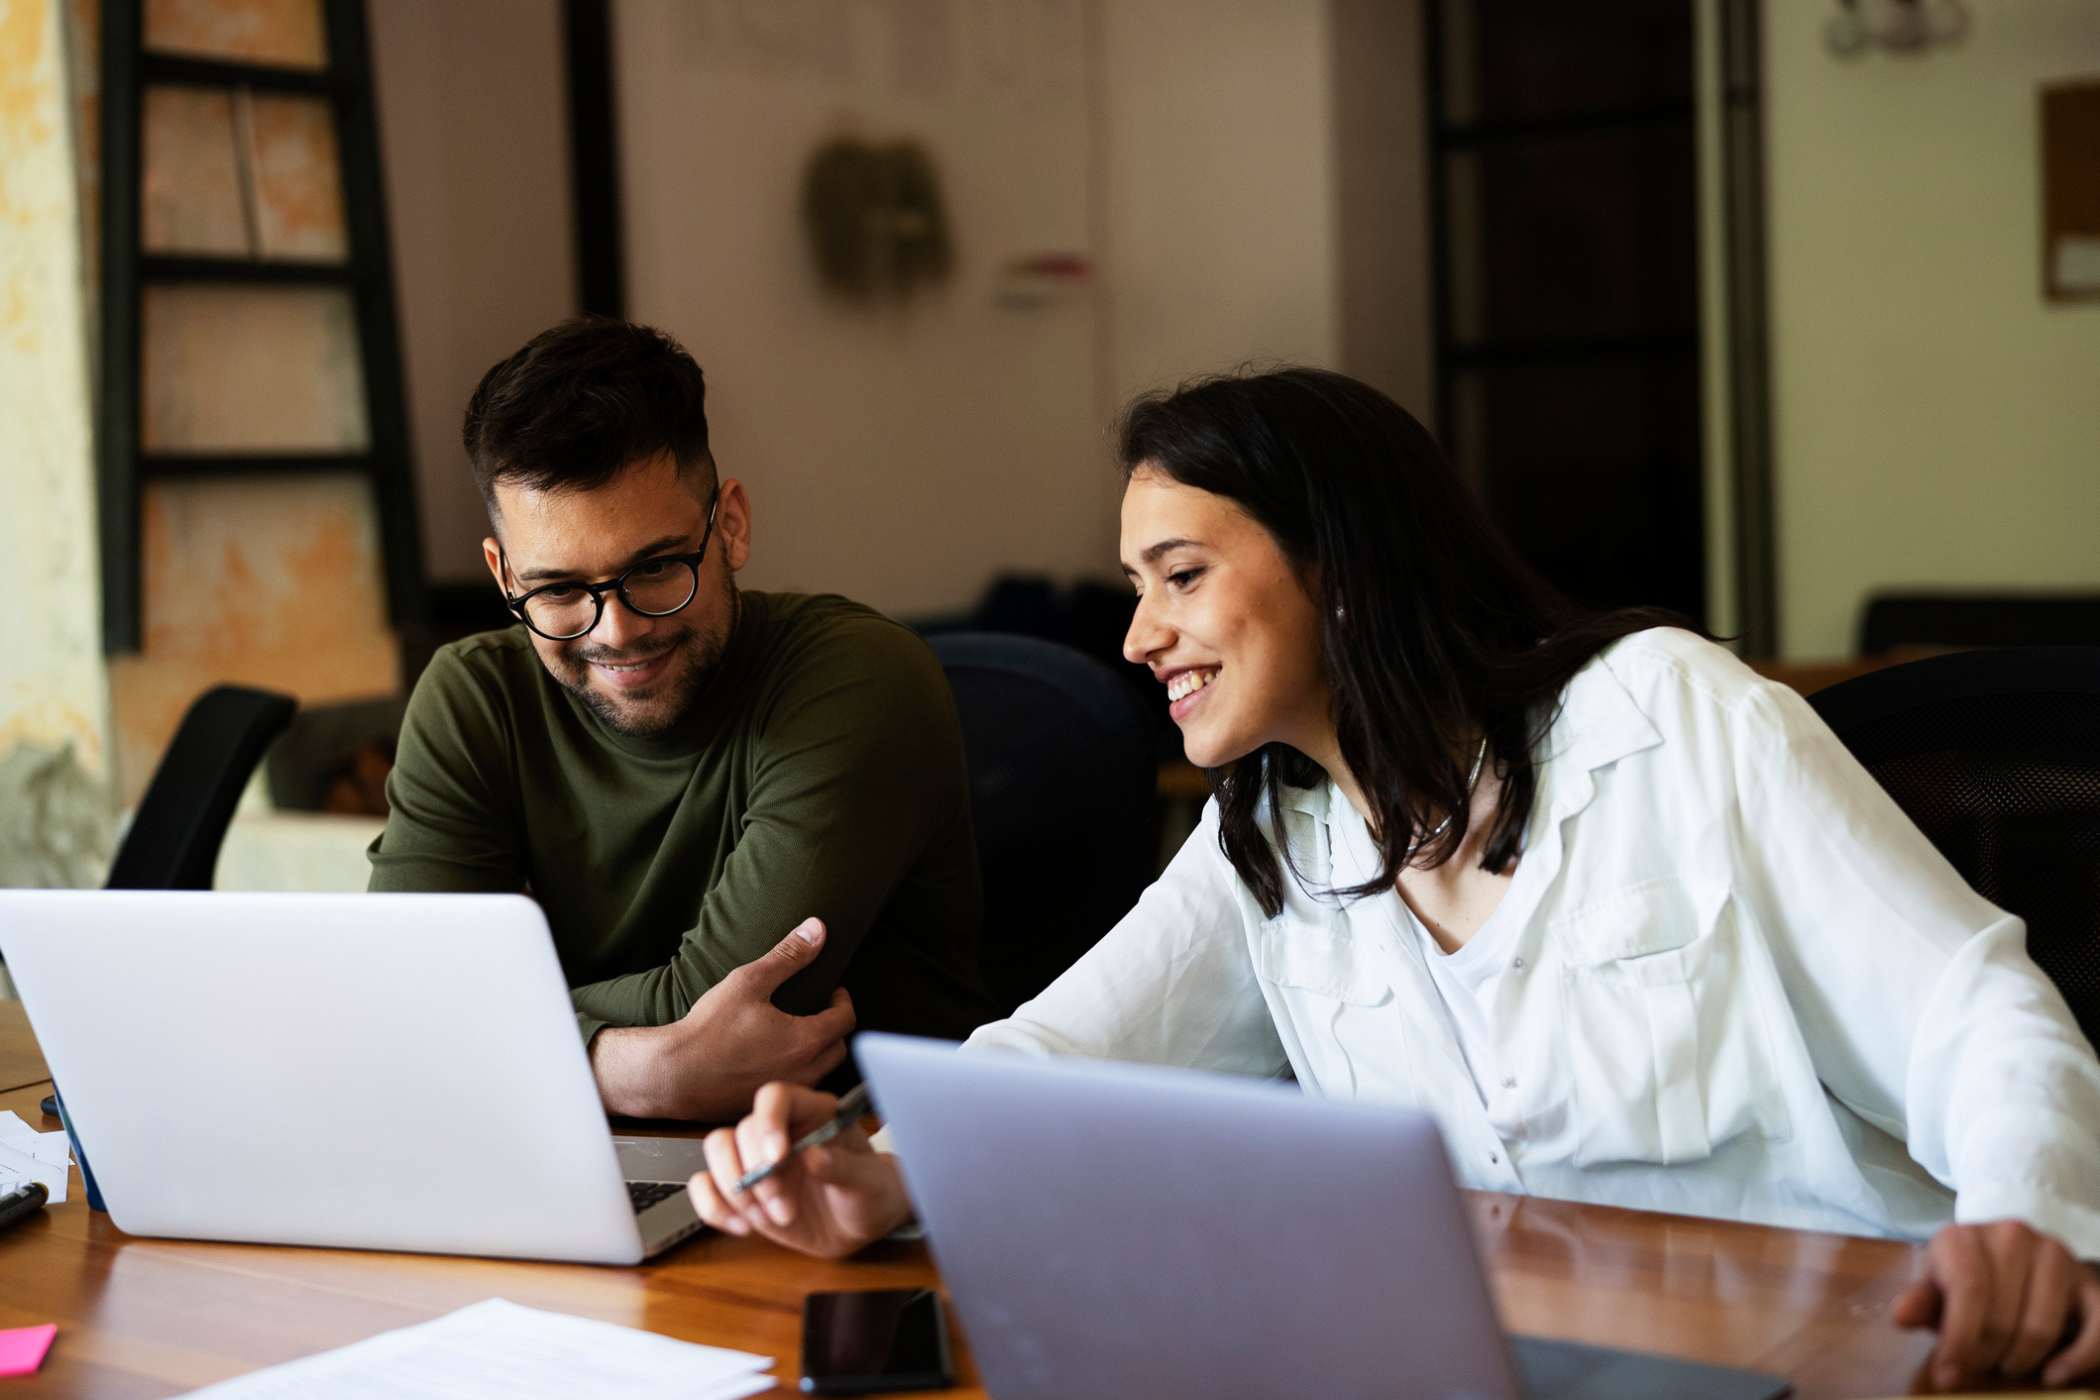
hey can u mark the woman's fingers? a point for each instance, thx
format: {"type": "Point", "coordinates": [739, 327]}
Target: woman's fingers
{"type": "Point", "coordinates": [780, 1112]}
{"type": "Point", "coordinates": [759, 1143]}
{"type": "Point", "coordinates": [2007, 1294]}
{"type": "Point", "coordinates": [792, 1110]}
{"type": "Point", "coordinates": [2052, 1288]}
{"type": "Point", "coordinates": [708, 1203]}
{"type": "Point", "coordinates": [2010, 1247]}
{"type": "Point", "coordinates": [1963, 1272]}
{"type": "Point", "coordinates": [725, 1166]}
{"type": "Point", "coordinates": [1917, 1305]}
{"type": "Point", "coordinates": [2081, 1359]}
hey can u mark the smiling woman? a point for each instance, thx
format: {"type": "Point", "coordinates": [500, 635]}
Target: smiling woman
{"type": "Point", "coordinates": [1390, 632]}
{"type": "Point", "coordinates": [1626, 918]}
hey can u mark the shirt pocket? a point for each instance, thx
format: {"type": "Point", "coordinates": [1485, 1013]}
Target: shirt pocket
{"type": "Point", "coordinates": [1666, 1041]}
{"type": "Point", "coordinates": [1336, 1003]}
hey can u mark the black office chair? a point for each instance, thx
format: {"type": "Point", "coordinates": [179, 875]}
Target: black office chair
{"type": "Point", "coordinates": [1996, 756]}
{"type": "Point", "coordinates": [1979, 620]}
{"type": "Point", "coordinates": [1062, 781]}
{"type": "Point", "coordinates": [174, 838]}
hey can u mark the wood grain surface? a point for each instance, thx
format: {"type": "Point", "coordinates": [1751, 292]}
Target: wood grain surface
{"type": "Point", "coordinates": [21, 1063]}
{"type": "Point", "coordinates": [141, 1317]}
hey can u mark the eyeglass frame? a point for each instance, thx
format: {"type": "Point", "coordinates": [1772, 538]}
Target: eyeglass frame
{"type": "Point", "coordinates": [616, 584]}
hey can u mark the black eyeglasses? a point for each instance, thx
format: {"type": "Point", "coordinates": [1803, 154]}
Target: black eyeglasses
{"type": "Point", "coordinates": [562, 612]}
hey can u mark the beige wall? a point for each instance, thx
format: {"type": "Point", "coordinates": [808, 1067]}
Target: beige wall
{"type": "Point", "coordinates": [1190, 147]}
{"type": "Point", "coordinates": [896, 453]}
{"type": "Point", "coordinates": [473, 133]}
{"type": "Point", "coordinates": [1220, 185]}
{"type": "Point", "coordinates": [1935, 421]}
{"type": "Point", "coordinates": [54, 708]}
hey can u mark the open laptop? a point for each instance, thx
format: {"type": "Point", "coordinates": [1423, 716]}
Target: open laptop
{"type": "Point", "coordinates": [366, 1070]}
{"type": "Point", "coordinates": [1109, 1230]}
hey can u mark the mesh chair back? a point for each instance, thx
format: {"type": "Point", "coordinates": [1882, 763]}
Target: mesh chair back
{"type": "Point", "coordinates": [1062, 781]}
{"type": "Point", "coordinates": [173, 843]}
{"type": "Point", "coordinates": [1996, 756]}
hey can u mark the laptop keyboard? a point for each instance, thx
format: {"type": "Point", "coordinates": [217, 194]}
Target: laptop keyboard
{"type": "Point", "coordinates": [645, 1194]}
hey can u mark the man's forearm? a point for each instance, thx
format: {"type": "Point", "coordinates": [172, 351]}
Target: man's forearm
{"type": "Point", "coordinates": [634, 1074]}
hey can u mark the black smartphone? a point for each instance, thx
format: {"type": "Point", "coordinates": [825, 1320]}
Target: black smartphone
{"type": "Point", "coordinates": [880, 1339]}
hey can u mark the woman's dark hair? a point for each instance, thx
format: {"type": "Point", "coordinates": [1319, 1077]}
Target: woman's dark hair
{"type": "Point", "coordinates": [581, 402]}
{"type": "Point", "coordinates": [1434, 633]}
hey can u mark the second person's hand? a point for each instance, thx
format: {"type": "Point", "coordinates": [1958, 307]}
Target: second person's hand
{"type": "Point", "coordinates": [2007, 1301]}
{"type": "Point", "coordinates": [828, 1200]}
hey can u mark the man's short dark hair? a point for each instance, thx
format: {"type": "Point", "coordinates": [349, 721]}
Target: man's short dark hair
{"type": "Point", "coordinates": [580, 403]}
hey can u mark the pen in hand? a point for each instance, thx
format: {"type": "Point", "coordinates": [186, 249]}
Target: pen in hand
{"type": "Point", "coordinates": [852, 1108]}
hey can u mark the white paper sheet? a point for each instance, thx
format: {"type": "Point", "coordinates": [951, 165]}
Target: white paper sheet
{"type": "Point", "coordinates": [497, 1347]}
{"type": "Point", "coordinates": [28, 1155]}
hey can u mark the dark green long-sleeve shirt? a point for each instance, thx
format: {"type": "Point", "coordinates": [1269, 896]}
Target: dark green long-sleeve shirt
{"type": "Point", "coordinates": [820, 772]}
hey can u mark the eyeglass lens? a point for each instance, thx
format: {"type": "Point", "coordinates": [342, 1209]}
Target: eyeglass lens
{"type": "Point", "coordinates": [657, 588]}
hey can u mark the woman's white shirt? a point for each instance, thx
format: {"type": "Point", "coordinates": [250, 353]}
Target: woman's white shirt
{"type": "Point", "coordinates": [1729, 978]}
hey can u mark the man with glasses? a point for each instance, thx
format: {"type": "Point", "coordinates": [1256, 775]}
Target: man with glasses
{"type": "Point", "coordinates": [744, 814]}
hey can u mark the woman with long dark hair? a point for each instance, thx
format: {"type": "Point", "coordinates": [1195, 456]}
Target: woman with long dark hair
{"type": "Point", "coordinates": [1625, 917]}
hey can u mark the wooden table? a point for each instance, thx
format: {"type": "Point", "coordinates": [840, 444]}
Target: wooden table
{"type": "Point", "coordinates": [141, 1317]}
{"type": "Point", "coordinates": [21, 1062]}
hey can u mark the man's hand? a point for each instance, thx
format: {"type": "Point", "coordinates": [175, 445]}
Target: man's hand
{"type": "Point", "coordinates": [827, 1200]}
{"type": "Point", "coordinates": [2006, 1301]}
{"type": "Point", "coordinates": [708, 1064]}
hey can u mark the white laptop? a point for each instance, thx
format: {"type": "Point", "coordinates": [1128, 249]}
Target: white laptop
{"type": "Point", "coordinates": [366, 1070]}
{"type": "Point", "coordinates": [1109, 1230]}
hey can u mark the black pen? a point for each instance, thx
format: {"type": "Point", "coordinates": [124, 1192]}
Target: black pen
{"type": "Point", "coordinates": [852, 1108]}
{"type": "Point", "coordinates": [22, 1202]}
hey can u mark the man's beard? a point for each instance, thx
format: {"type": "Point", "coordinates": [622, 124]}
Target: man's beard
{"type": "Point", "coordinates": [696, 656]}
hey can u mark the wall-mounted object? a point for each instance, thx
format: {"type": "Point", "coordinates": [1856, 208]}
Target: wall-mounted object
{"type": "Point", "coordinates": [1900, 26]}
{"type": "Point", "coordinates": [2070, 122]}
{"type": "Point", "coordinates": [876, 223]}
{"type": "Point", "coordinates": [1037, 280]}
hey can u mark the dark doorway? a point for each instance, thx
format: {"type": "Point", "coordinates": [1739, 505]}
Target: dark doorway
{"type": "Point", "coordinates": [1564, 186]}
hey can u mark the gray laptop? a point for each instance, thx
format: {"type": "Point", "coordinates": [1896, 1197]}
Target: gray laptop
{"type": "Point", "coordinates": [1109, 1230]}
{"type": "Point", "coordinates": [374, 1071]}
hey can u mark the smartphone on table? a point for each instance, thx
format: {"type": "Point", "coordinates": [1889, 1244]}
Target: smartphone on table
{"type": "Point", "coordinates": [875, 1340]}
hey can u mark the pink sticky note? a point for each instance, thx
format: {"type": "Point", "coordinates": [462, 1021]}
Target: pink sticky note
{"type": "Point", "coordinates": [22, 1349]}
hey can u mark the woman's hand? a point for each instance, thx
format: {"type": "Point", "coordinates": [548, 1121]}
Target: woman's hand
{"type": "Point", "coordinates": [2006, 1300]}
{"type": "Point", "coordinates": [828, 1200]}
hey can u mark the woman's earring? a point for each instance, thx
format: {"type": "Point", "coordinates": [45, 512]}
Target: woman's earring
{"type": "Point", "coordinates": [1340, 612]}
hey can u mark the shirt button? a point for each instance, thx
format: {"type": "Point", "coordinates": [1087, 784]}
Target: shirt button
{"type": "Point", "coordinates": [1509, 1082]}
{"type": "Point", "coordinates": [1518, 964]}
{"type": "Point", "coordinates": [1494, 1159]}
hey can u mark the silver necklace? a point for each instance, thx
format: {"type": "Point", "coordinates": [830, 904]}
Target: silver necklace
{"type": "Point", "coordinates": [1471, 778]}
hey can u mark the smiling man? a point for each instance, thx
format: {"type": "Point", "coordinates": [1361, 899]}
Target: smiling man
{"type": "Point", "coordinates": [744, 814]}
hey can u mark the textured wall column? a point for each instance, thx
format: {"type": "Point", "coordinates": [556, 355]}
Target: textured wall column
{"type": "Point", "coordinates": [54, 693]}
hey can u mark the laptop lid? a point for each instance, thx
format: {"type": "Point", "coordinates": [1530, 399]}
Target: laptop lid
{"type": "Point", "coordinates": [1112, 1230]}
{"type": "Point", "coordinates": [375, 1071]}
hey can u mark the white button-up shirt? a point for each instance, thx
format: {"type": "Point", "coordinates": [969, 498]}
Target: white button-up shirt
{"type": "Point", "coordinates": [1728, 978]}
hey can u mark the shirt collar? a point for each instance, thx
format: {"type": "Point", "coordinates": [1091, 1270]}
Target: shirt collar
{"type": "Point", "coordinates": [1313, 801]}
{"type": "Point", "coordinates": [1597, 725]}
